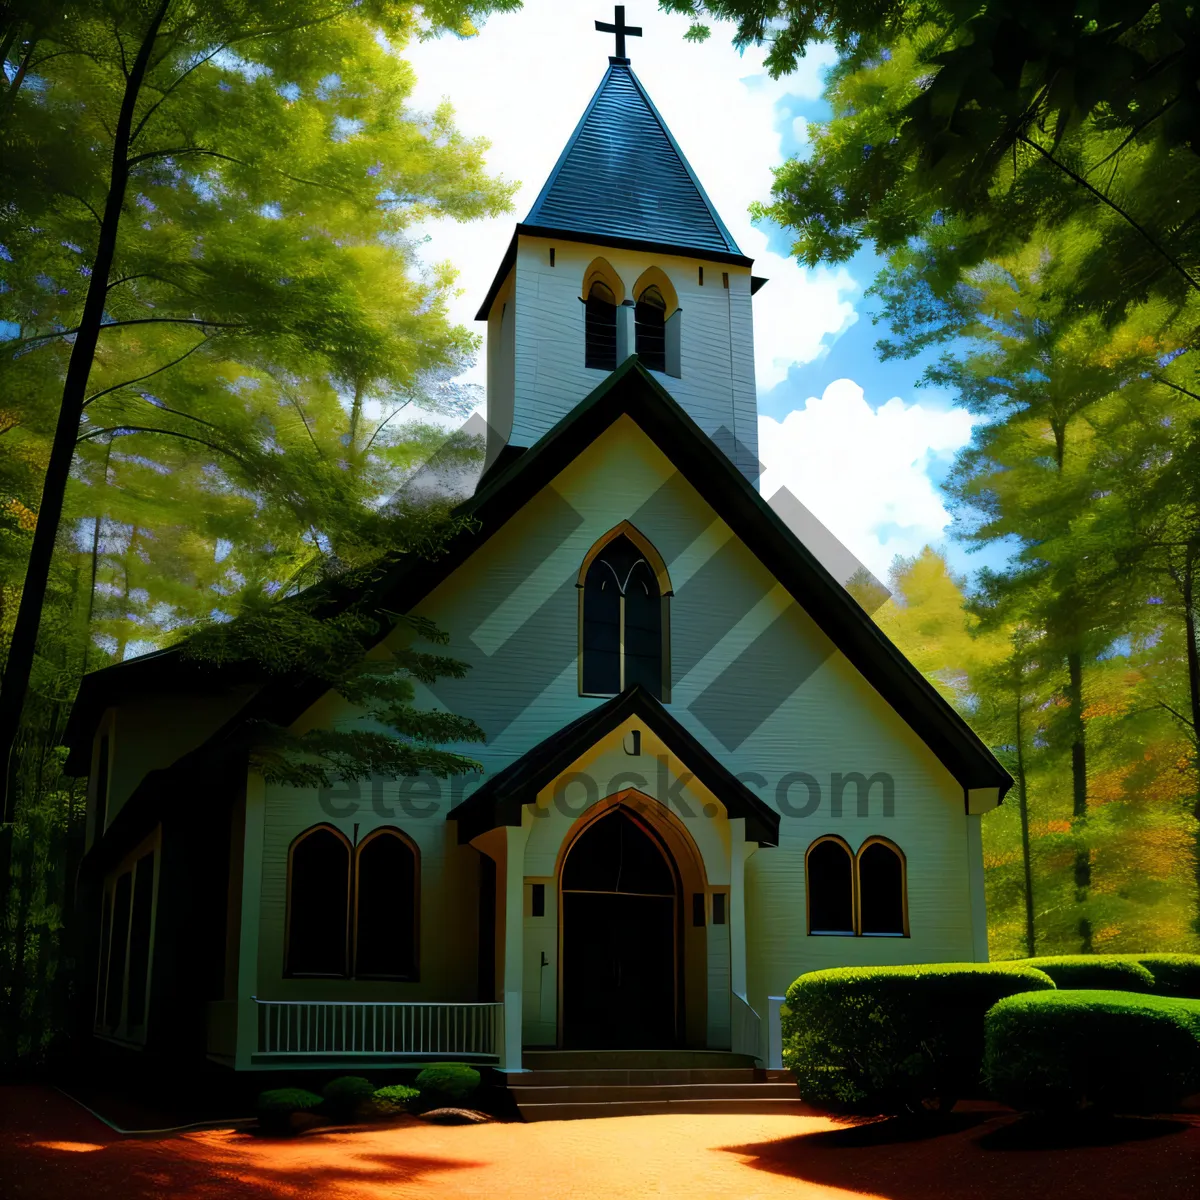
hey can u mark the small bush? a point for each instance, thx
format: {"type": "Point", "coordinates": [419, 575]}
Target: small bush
{"type": "Point", "coordinates": [1174, 974]}
{"type": "Point", "coordinates": [346, 1096]}
{"type": "Point", "coordinates": [275, 1107]}
{"type": "Point", "coordinates": [389, 1101]}
{"type": "Point", "coordinates": [1103, 972]}
{"type": "Point", "coordinates": [446, 1083]}
{"type": "Point", "coordinates": [1109, 1051]}
{"type": "Point", "coordinates": [894, 1039]}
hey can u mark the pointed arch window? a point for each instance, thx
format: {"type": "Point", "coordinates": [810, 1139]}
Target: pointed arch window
{"type": "Point", "coordinates": [386, 906]}
{"type": "Point", "coordinates": [624, 627]}
{"type": "Point", "coordinates": [829, 884]}
{"type": "Point", "coordinates": [650, 328]}
{"type": "Point", "coordinates": [882, 889]}
{"type": "Point", "coordinates": [600, 327]}
{"type": "Point", "coordinates": [318, 903]}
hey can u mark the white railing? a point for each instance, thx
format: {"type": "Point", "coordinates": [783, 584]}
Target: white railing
{"type": "Point", "coordinates": [745, 1027]}
{"type": "Point", "coordinates": [302, 1027]}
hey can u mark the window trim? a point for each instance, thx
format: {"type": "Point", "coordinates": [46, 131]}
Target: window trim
{"type": "Point", "coordinates": [288, 973]}
{"type": "Point", "coordinates": [873, 840]}
{"type": "Point", "coordinates": [665, 591]}
{"type": "Point", "coordinates": [845, 845]}
{"type": "Point", "coordinates": [414, 975]}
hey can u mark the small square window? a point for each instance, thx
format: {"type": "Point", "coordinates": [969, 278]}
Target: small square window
{"type": "Point", "coordinates": [538, 900]}
{"type": "Point", "coordinates": [718, 908]}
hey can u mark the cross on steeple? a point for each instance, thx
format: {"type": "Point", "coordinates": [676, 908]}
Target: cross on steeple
{"type": "Point", "coordinates": [622, 31]}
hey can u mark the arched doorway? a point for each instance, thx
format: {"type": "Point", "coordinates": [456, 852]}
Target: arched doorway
{"type": "Point", "coordinates": [620, 937]}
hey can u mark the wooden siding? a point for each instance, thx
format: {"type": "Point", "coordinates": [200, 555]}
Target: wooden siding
{"type": "Point", "coordinates": [545, 366]}
{"type": "Point", "coordinates": [737, 641]}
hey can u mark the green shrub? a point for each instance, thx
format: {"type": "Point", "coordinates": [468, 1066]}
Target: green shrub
{"type": "Point", "coordinates": [1174, 974]}
{"type": "Point", "coordinates": [894, 1039]}
{"type": "Point", "coordinates": [396, 1098]}
{"type": "Point", "coordinates": [1111, 1051]}
{"type": "Point", "coordinates": [275, 1107]}
{"type": "Point", "coordinates": [1105, 972]}
{"type": "Point", "coordinates": [446, 1083]}
{"type": "Point", "coordinates": [346, 1096]}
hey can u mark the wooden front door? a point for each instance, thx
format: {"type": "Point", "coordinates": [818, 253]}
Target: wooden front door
{"type": "Point", "coordinates": [620, 938]}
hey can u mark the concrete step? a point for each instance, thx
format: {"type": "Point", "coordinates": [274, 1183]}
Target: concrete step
{"type": "Point", "coordinates": [622, 1078]}
{"type": "Point", "coordinates": [640, 1108]}
{"type": "Point", "coordinates": [585, 1094]}
{"type": "Point", "coordinates": [629, 1060]}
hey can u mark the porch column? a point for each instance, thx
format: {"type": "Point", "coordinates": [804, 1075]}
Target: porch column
{"type": "Point", "coordinates": [247, 975]}
{"type": "Point", "coordinates": [737, 906]}
{"type": "Point", "coordinates": [514, 943]}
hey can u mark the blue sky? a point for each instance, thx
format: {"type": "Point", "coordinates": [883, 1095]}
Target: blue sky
{"type": "Point", "coordinates": [860, 445]}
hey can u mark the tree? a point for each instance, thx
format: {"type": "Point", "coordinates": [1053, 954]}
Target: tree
{"type": "Point", "coordinates": [1008, 116]}
{"type": "Point", "coordinates": [198, 185]}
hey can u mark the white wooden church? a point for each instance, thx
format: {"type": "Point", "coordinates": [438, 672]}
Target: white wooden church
{"type": "Point", "coordinates": [706, 770]}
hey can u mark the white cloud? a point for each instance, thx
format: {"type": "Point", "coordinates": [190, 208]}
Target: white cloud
{"type": "Point", "coordinates": [800, 129]}
{"type": "Point", "coordinates": [862, 471]}
{"type": "Point", "coordinates": [524, 82]}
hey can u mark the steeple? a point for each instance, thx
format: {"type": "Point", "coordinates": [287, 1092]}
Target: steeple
{"type": "Point", "coordinates": [622, 253]}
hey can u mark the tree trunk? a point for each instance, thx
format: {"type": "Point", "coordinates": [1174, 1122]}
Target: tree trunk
{"type": "Point", "coordinates": [1083, 857]}
{"type": "Point", "coordinates": [1023, 810]}
{"type": "Point", "coordinates": [1193, 669]}
{"type": "Point", "coordinates": [15, 682]}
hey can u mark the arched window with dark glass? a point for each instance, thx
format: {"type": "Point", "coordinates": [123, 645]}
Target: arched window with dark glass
{"type": "Point", "coordinates": [829, 878]}
{"type": "Point", "coordinates": [622, 639]}
{"type": "Point", "coordinates": [318, 903]}
{"type": "Point", "coordinates": [883, 906]}
{"type": "Point", "coordinates": [386, 908]}
{"type": "Point", "coordinates": [649, 328]}
{"type": "Point", "coordinates": [600, 328]}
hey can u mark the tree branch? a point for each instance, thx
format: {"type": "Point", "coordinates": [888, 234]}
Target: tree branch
{"type": "Point", "coordinates": [123, 430]}
{"type": "Point", "coordinates": [116, 387]}
{"type": "Point", "coordinates": [1077, 178]}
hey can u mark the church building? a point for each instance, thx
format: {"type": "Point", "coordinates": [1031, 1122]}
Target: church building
{"type": "Point", "coordinates": [706, 770]}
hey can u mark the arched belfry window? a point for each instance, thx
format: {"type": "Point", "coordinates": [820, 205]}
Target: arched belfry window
{"type": "Point", "coordinates": [650, 328]}
{"type": "Point", "coordinates": [600, 327]}
{"type": "Point", "coordinates": [829, 883]}
{"type": "Point", "coordinates": [882, 889]}
{"type": "Point", "coordinates": [318, 903]}
{"type": "Point", "coordinates": [624, 625]}
{"type": "Point", "coordinates": [386, 906]}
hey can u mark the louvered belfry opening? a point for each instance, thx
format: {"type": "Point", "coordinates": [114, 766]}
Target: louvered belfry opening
{"type": "Point", "coordinates": [600, 332]}
{"type": "Point", "coordinates": [649, 326]}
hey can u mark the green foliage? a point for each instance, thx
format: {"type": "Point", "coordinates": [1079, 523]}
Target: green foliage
{"type": "Point", "coordinates": [393, 1099]}
{"type": "Point", "coordinates": [1174, 974]}
{"type": "Point", "coordinates": [275, 1107]}
{"type": "Point", "coordinates": [1106, 1050]}
{"type": "Point", "coordinates": [346, 1096]}
{"type": "Point", "coordinates": [446, 1083]}
{"type": "Point", "coordinates": [1098, 972]}
{"type": "Point", "coordinates": [894, 1039]}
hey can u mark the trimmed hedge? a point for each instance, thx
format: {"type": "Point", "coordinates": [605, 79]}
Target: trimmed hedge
{"type": "Point", "coordinates": [1174, 974]}
{"type": "Point", "coordinates": [346, 1096]}
{"type": "Point", "coordinates": [1104, 972]}
{"type": "Point", "coordinates": [275, 1107]}
{"type": "Point", "coordinates": [446, 1083]}
{"type": "Point", "coordinates": [396, 1098]}
{"type": "Point", "coordinates": [894, 1039]}
{"type": "Point", "coordinates": [1106, 1050]}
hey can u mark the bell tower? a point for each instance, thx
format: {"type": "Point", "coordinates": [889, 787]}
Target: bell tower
{"type": "Point", "coordinates": [622, 253]}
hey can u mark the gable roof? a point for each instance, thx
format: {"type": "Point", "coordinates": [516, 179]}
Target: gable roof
{"type": "Point", "coordinates": [499, 800]}
{"type": "Point", "coordinates": [622, 175]}
{"type": "Point", "coordinates": [629, 391]}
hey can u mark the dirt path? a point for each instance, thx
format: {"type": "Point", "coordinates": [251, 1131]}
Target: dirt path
{"type": "Point", "coordinates": [51, 1149]}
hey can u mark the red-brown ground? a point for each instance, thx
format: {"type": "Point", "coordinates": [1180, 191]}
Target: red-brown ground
{"type": "Point", "coordinates": [52, 1149]}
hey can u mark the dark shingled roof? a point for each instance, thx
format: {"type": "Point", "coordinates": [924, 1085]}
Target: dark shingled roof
{"type": "Point", "coordinates": [499, 800]}
{"type": "Point", "coordinates": [622, 175]}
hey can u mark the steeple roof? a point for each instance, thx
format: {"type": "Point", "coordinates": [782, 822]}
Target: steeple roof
{"type": "Point", "coordinates": [623, 177]}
